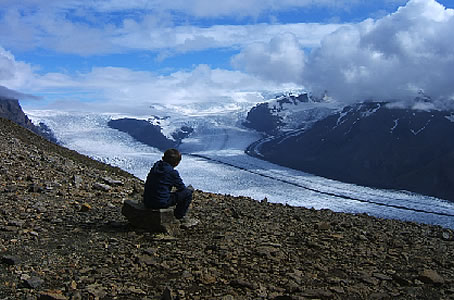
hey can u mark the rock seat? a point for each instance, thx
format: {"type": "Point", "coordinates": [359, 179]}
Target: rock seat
{"type": "Point", "coordinates": [153, 220]}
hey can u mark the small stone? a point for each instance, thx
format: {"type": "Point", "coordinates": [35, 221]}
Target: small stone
{"type": "Point", "coordinates": [146, 260]}
{"type": "Point", "coordinates": [51, 296]}
{"type": "Point", "coordinates": [85, 207]}
{"type": "Point", "coordinates": [111, 181]}
{"type": "Point", "coordinates": [34, 188]}
{"type": "Point", "coordinates": [400, 280]}
{"type": "Point", "coordinates": [208, 279]}
{"type": "Point", "coordinates": [33, 282]}
{"type": "Point", "coordinates": [337, 289]}
{"type": "Point", "coordinates": [9, 260]}
{"type": "Point", "coordinates": [446, 236]}
{"type": "Point", "coordinates": [379, 296]}
{"type": "Point", "coordinates": [382, 276]}
{"type": "Point", "coordinates": [240, 283]}
{"type": "Point", "coordinates": [370, 280]}
{"type": "Point", "coordinates": [167, 294]}
{"type": "Point", "coordinates": [97, 290]}
{"type": "Point", "coordinates": [135, 290]}
{"type": "Point", "coordinates": [431, 277]}
{"type": "Point", "coordinates": [323, 226]}
{"type": "Point", "coordinates": [101, 187]}
{"type": "Point", "coordinates": [73, 285]}
{"type": "Point", "coordinates": [318, 293]}
{"type": "Point", "coordinates": [77, 180]}
{"type": "Point", "coordinates": [76, 295]}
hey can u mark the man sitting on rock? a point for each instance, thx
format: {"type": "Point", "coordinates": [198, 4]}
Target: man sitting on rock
{"type": "Point", "coordinates": [160, 181]}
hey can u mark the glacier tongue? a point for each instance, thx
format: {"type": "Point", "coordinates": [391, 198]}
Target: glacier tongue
{"type": "Point", "coordinates": [215, 161]}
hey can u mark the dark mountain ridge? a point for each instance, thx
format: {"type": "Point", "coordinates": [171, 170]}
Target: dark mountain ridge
{"type": "Point", "coordinates": [374, 145]}
{"type": "Point", "coordinates": [150, 134]}
{"type": "Point", "coordinates": [10, 109]}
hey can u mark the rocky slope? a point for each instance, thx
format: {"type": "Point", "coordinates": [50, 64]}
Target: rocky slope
{"type": "Point", "coordinates": [62, 237]}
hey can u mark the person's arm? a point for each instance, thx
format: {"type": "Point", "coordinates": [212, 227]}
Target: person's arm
{"type": "Point", "coordinates": [177, 181]}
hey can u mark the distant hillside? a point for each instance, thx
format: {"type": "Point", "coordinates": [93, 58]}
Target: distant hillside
{"type": "Point", "coordinates": [10, 109]}
{"type": "Point", "coordinates": [148, 133]}
{"type": "Point", "coordinates": [371, 144]}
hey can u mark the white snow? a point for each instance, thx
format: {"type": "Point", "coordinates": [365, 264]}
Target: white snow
{"type": "Point", "coordinates": [371, 111]}
{"type": "Point", "coordinates": [450, 118]}
{"type": "Point", "coordinates": [215, 161]}
{"type": "Point", "coordinates": [416, 132]}
{"type": "Point", "coordinates": [341, 120]}
{"type": "Point", "coordinates": [396, 123]}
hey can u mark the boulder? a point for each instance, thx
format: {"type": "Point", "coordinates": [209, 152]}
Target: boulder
{"type": "Point", "coordinates": [153, 220]}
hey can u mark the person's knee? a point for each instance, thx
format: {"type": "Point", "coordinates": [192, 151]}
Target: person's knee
{"type": "Point", "coordinates": [187, 192]}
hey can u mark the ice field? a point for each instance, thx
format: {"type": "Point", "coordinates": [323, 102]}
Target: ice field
{"type": "Point", "coordinates": [214, 161]}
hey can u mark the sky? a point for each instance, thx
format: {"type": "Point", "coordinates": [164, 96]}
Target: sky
{"type": "Point", "coordinates": [113, 55]}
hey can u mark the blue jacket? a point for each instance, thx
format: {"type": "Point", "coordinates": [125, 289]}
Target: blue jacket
{"type": "Point", "coordinates": [160, 180]}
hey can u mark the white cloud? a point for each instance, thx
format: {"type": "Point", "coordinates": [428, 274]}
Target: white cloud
{"type": "Point", "coordinates": [131, 90]}
{"type": "Point", "coordinates": [14, 74]}
{"type": "Point", "coordinates": [110, 89]}
{"type": "Point", "coordinates": [280, 60]}
{"type": "Point", "coordinates": [393, 57]}
{"type": "Point", "coordinates": [54, 31]}
{"type": "Point", "coordinates": [122, 89]}
{"type": "Point", "coordinates": [114, 26]}
{"type": "Point", "coordinates": [194, 8]}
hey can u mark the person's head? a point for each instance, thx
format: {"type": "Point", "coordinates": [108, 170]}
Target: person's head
{"type": "Point", "coordinates": [172, 157]}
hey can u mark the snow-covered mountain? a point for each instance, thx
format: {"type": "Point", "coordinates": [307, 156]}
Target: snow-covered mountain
{"type": "Point", "coordinates": [374, 144]}
{"type": "Point", "coordinates": [287, 112]}
{"type": "Point", "coordinates": [190, 127]}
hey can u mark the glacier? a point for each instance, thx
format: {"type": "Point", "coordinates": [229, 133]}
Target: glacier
{"type": "Point", "coordinates": [214, 160]}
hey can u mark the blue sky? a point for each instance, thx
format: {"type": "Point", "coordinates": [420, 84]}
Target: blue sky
{"type": "Point", "coordinates": [124, 55]}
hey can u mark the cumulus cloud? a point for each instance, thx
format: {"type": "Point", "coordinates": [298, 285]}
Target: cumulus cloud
{"type": "Point", "coordinates": [13, 74]}
{"type": "Point", "coordinates": [127, 90]}
{"type": "Point", "coordinates": [114, 89]}
{"type": "Point", "coordinates": [118, 89]}
{"type": "Point", "coordinates": [280, 60]}
{"type": "Point", "coordinates": [390, 58]}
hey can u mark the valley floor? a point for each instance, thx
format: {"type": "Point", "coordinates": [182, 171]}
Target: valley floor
{"type": "Point", "coordinates": [215, 161]}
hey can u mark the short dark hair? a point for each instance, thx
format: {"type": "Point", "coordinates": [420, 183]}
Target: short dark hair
{"type": "Point", "coordinates": [172, 156]}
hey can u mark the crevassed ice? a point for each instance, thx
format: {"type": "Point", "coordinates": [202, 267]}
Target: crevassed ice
{"type": "Point", "coordinates": [216, 162]}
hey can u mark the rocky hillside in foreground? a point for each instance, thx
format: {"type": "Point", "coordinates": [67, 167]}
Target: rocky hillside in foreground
{"type": "Point", "coordinates": [62, 237]}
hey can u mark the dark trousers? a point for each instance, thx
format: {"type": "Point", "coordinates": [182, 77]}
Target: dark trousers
{"type": "Point", "coordinates": [182, 199]}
